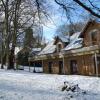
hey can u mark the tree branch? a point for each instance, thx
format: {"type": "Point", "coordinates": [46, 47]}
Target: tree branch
{"type": "Point", "coordinates": [94, 6]}
{"type": "Point", "coordinates": [3, 3]}
{"type": "Point", "coordinates": [87, 8]}
{"type": "Point", "coordinates": [64, 6]}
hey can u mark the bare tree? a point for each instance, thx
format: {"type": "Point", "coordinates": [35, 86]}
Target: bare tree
{"type": "Point", "coordinates": [6, 24]}
{"type": "Point", "coordinates": [88, 5]}
{"type": "Point", "coordinates": [94, 10]}
{"type": "Point", "coordinates": [69, 29]}
{"type": "Point", "coordinates": [18, 15]}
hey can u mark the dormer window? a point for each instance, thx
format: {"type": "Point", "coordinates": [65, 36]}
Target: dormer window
{"type": "Point", "coordinates": [94, 37]}
{"type": "Point", "coordinates": [59, 47]}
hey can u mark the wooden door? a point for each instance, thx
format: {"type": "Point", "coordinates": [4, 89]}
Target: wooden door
{"type": "Point", "coordinates": [60, 67]}
{"type": "Point", "coordinates": [98, 63]}
{"type": "Point", "coordinates": [50, 67]}
{"type": "Point", "coordinates": [73, 67]}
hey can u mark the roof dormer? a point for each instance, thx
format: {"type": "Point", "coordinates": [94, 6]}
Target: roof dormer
{"type": "Point", "coordinates": [61, 42]}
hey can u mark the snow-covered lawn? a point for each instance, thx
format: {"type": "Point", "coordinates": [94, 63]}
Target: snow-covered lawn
{"type": "Point", "coordinates": [20, 85]}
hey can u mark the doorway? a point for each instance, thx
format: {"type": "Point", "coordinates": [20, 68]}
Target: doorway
{"type": "Point", "coordinates": [98, 65]}
{"type": "Point", "coordinates": [50, 67]}
{"type": "Point", "coordinates": [73, 67]}
{"type": "Point", "coordinates": [60, 67]}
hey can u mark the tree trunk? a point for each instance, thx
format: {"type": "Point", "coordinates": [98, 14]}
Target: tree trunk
{"type": "Point", "coordinates": [11, 59]}
{"type": "Point", "coordinates": [3, 60]}
{"type": "Point", "coordinates": [2, 67]}
{"type": "Point", "coordinates": [2, 52]}
{"type": "Point", "coordinates": [7, 33]}
{"type": "Point", "coordinates": [14, 37]}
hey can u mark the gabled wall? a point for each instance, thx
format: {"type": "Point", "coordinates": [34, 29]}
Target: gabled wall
{"type": "Point", "coordinates": [87, 31]}
{"type": "Point", "coordinates": [57, 42]}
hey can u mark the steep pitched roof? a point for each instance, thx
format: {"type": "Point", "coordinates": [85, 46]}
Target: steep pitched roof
{"type": "Point", "coordinates": [75, 41]}
{"type": "Point", "coordinates": [64, 39]}
{"type": "Point", "coordinates": [50, 48]}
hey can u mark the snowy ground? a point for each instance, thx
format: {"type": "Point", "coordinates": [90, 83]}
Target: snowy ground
{"type": "Point", "coordinates": [21, 85]}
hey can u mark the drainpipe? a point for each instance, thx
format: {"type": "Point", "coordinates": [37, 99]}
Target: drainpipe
{"type": "Point", "coordinates": [96, 64]}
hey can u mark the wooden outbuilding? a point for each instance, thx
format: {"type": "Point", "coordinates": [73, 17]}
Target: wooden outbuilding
{"type": "Point", "coordinates": [76, 54]}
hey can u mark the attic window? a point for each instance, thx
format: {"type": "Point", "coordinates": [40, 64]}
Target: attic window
{"type": "Point", "coordinates": [94, 36]}
{"type": "Point", "coordinates": [59, 47]}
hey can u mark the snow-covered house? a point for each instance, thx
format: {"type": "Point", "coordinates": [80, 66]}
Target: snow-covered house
{"type": "Point", "coordinates": [77, 54]}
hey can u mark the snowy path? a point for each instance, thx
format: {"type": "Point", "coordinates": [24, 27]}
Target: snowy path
{"type": "Point", "coordinates": [19, 85]}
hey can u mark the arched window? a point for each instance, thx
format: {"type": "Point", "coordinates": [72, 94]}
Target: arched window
{"type": "Point", "coordinates": [94, 36]}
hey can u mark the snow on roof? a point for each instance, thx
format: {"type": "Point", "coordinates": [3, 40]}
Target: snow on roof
{"type": "Point", "coordinates": [50, 48]}
{"type": "Point", "coordinates": [64, 38]}
{"type": "Point", "coordinates": [75, 42]}
{"type": "Point", "coordinates": [75, 36]}
{"type": "Point", "coordinates": [36, 49]}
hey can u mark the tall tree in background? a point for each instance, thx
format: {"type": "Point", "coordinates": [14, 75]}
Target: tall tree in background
{"type": "Point", "coordinates": [28, 39]}
{"type": "Point", "coordinates": [32, 39]}
{"type": "Point", "coordinates": [28, 43]}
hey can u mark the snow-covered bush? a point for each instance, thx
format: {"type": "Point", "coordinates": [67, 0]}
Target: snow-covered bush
{"type": "Point", "coordinates": [72, 87]}
{"type": "Point", "coordinates": [72, 90]}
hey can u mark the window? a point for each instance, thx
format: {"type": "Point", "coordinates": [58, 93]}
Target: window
{"type": "Point", "coordinates": [73, 67]}
{"type": "Point", "coordinates": [93, 36]}
{"type": "Point", "coordinates": [59, 47]}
